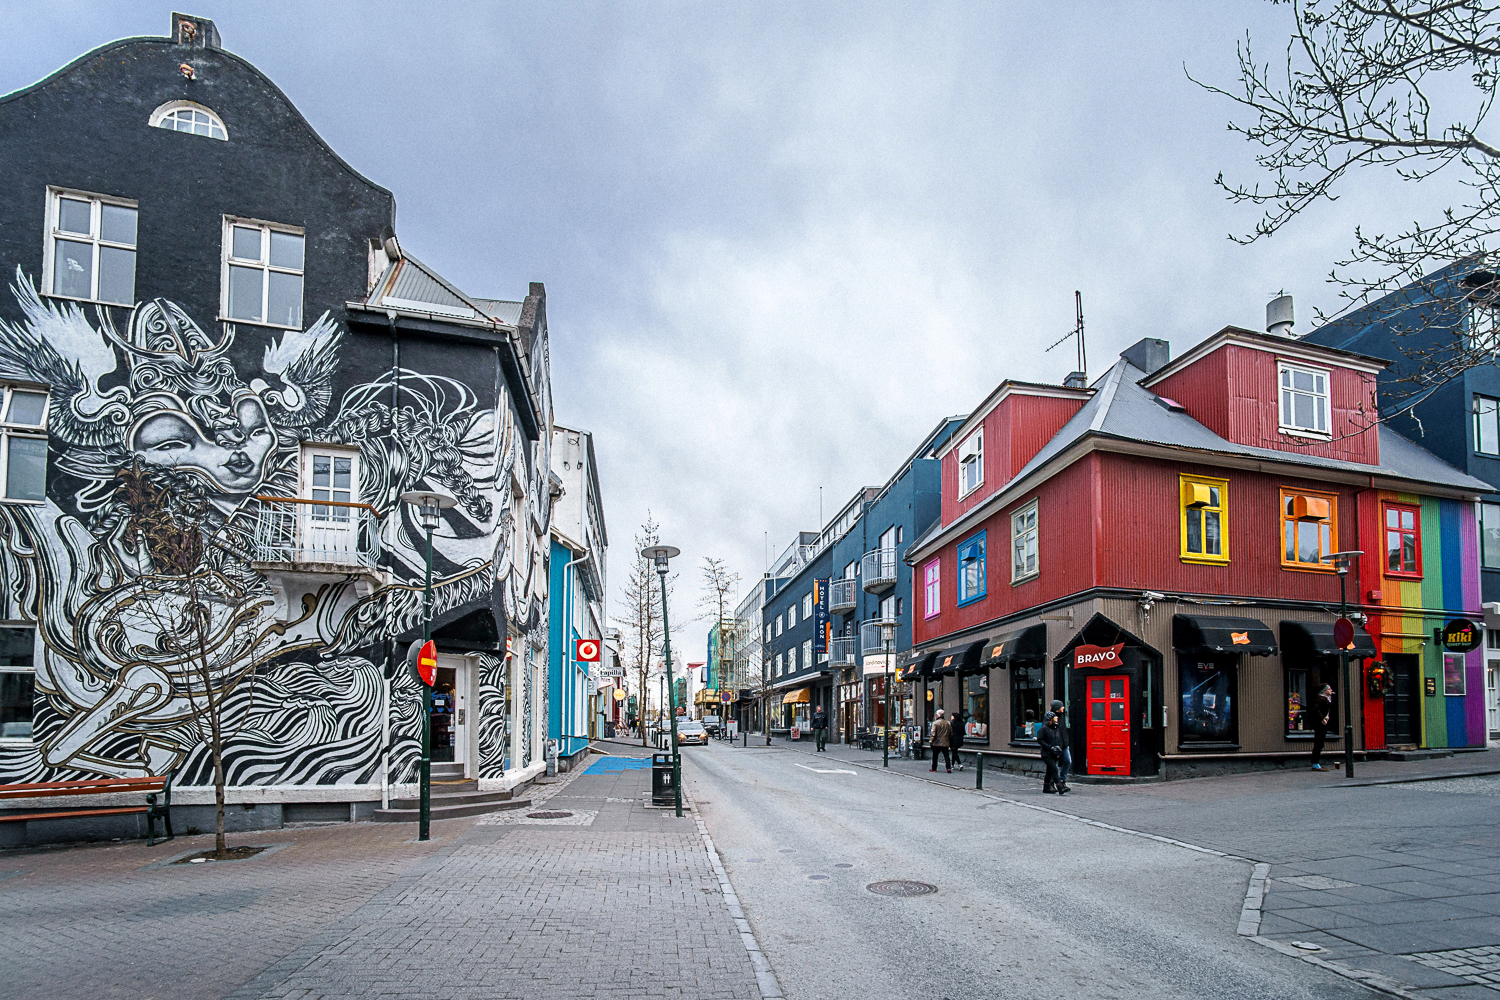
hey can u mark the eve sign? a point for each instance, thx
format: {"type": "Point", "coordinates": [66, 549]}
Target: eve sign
{"type": "Point", "coordinates": [586, 651]}
{"type": "Point", "coordinates": [1098, 657]}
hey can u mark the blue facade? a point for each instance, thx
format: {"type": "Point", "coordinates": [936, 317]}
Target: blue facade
{"type": "Point", "coordinates": [790, 598]}
{"type": "Point", "coordinates": [567, 679]}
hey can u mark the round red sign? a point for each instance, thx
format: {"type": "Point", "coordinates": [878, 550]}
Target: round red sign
{"type": "Point", "coordinates": [1343, 634]}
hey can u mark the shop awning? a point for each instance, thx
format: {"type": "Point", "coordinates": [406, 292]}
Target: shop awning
{"type": "Point", "coordinates": [1028, 643]}
{"type": "Point", "coordinates": [1215, 634]}
{"type": "Point", "coordinates": [1316, 639]}
{"type": "Point", "coordinates": [801, 696]}
{"type": "Point", "coordinates": [958, 659]}
{"type": "Point", "coordinates": [920, 667]}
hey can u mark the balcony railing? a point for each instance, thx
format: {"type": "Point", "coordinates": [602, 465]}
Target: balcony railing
{"type": "Point", "coordinates": [317, 535]}
{"type": "Point", "coordinates": [841, 595]}
{"type": "Point", "coordinates": [843, 651]}
{"type": "Point", "coordinates": [872, 635]}
{"type": "Point", "coordinates": [878, 567]}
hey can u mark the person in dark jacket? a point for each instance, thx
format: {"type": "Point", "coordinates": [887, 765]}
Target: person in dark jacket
{"type": "Point", "coordinates": [942, 735]}
{"type": "Point", "coordinates": [820, 729]}
{"type": "Point", "coordinates": [1322, 711]}
{"type": "Point", "coordinates": [1061, 711]}
{"type": "Point", "coordinates": [956, 738]}
{"type": "Point", "coordinates": [1051, 743]}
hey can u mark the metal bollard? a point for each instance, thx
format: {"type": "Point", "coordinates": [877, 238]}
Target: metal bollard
{"type": "Point", "coordinates": [747, 739]}
{"type": "Point", "coordinates": [978, 771]}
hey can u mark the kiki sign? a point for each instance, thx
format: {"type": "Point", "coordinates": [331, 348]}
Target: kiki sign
{"type": "Point", "coordinates": [1098, 657]}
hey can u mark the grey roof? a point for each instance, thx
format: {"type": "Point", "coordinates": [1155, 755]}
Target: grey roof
{"type": "Point", "coordinates": [499, 310]}
{"type": "Point", "coordinates": [411, 286]}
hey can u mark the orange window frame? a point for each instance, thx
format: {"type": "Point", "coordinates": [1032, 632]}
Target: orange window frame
{"type": "Point", "coordinates": [1387, 508]}
{"type": "Point", "coordinates": [1328, 543]}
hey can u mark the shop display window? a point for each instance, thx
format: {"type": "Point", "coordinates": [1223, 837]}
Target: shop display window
{"type": "Point", "coordinates": [1453, 673]}
{"type": "Point", "coordinates": [1209, 700]}
{"type": "Point", "coordinates": [1027, 695]}
{"type": "Point", "coordinates": [1302, 684]}
{"type": "Point", "coordinates": [977, 706]}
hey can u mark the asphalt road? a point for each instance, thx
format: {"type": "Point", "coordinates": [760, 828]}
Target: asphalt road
{"type": "Point", "coordinates": [1027, 904]}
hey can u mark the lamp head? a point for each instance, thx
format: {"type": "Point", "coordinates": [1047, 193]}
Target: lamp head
{"type": "Point", "coordinates": [1341, 560]}
{"type": "Point", "coordinates": [430, 504]}
{"type": "Point", "coordinates": [660, 555]}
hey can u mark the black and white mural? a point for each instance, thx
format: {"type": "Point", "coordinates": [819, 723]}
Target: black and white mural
{"type": "Point", "coordinates": [152, 402]}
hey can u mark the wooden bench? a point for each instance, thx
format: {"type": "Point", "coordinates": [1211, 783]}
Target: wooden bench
{"type": "Point", "coordinates": [151, 786]}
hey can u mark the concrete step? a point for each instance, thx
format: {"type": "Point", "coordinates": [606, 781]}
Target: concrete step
{"type": "Point", "coordinates": [445, 811]}
{"type": "Point", "coordinates": [1418, 754]}
{"type": "Point", "coordinates": [447, 771]}
{"type": "Point", "coordinates": [452, 798]}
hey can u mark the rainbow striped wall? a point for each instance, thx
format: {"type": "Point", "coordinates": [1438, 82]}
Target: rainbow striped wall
{"type": "Point", "coordinates": [1449, 585]}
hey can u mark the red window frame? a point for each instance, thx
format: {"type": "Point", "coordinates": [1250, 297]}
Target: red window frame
{"type": "Point", "coordinates": [1387, 509]}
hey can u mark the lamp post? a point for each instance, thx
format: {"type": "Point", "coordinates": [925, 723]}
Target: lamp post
{"type": "Point", "coordinates": [887, 636]}
{"type": "Point", "coordinates": [1341, 561]}
{"type": "Point", "coordinates": [662, 555]}
{"type": "Point", "coordinates": [429, 511]}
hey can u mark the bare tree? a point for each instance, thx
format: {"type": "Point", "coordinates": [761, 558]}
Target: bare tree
{"type": "Point", "coordinates": [716, 601]}
{"type": "Point", "coordinates": [640, 619]}
{"type": "Point", "coordinates": [1404, 87]}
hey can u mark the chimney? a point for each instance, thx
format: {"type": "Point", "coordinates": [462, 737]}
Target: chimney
{"type": "Point", "coordinates": [1076, 380]}
{"type": "Point", "coordinates": [1148, 354]}
{"type": "Point", "coordinates": [1279, 318]}
{"type": "Point", "coordinates": [194, 32]}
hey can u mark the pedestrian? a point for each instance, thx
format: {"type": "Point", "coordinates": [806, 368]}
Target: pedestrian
{"type": "Point", "coordinates": [956, 738]}
{"type": "Point", "coordinates": [1322, 710]}
{"type": "Point", "coordinates": [942, 735]}
{"type": "Point", "coordinates": [1061, 711]}
{"type": "Point", "coordinates": [1051, 742]}
{"type": "Point", "coordinates": [820, 729]}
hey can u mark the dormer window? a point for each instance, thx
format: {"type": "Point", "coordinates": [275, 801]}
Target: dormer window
{"type": "Point", "coordinates": [971, 464]}
{"type": "Point", "coordinates": [1304, 399]}
{"type": "Point", "coordinates": [185, 116]}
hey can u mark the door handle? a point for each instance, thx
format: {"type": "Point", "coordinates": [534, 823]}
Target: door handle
{"type": "Point", "coordinates": [460, 716]}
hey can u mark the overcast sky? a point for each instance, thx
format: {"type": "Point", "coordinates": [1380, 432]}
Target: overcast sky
{"type": "Point", "coordinates": [782, 241]}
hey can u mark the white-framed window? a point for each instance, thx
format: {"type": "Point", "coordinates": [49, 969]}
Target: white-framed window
{"type": "Point", "coordinates": [807, 605]}
{"type": "Point", "coordinates": [932, 583]}
{"type": "Point", "coordinates": [23, 443]}
{"type": "Point", "coordinates": [778, 664]}
{"type": "Point", "coordinates": [330, 474]}
{"type": "Point", "coordinates": [186, 116]}
{"type": "Point", "coordinates": [91, 242]}
{"type": "Point", "coordinates": [971, 464]}
{"type": "Point", "coordinates": [890, 607]}
{"type": "Point", "coordinates": [778, 624]}
{"type": "Point", "coordinates": [768, 631]}
{"type": "Point", "coordinates": [1023, 546]}
{"type": "Point", "coordinates": [791, 616]}
{"type": "Point", "coordinates": [262, 273]}
{"type": "Point", "coordinates": [851, 570]}
{"type": "Point", "coordinates": [1486, 425]}
{"type": "Point", "coordinates": [1304, 398]}
{"type": "Point", "coordinates": [807, 653]}
{"type": "Point", "coordinates": [17, 683]}
{"type": "Point", "coordinates": [791, 660]}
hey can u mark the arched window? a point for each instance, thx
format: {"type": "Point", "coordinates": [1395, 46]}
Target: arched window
{"type": "Point", "coordinates": [185, 116]}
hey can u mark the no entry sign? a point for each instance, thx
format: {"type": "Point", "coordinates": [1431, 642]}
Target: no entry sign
{"type": "Point", "coordinates": [423, 657]}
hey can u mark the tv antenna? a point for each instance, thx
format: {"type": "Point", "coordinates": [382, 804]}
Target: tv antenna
{"type": "Point", "coordinates": [1076, 332]}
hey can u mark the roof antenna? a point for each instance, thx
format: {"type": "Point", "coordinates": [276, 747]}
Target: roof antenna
{"type": "Point", "coordinates": [1079, 343]}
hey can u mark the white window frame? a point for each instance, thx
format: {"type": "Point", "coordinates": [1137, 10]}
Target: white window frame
{"type": "Point", "coordinates": [932, 580]}
{"type": "Point", "coordinates": [170, 109]}
{"type": "Point", "coordinates": [12, 741]}
{"type": "Point", "coordinates": [96, 204]}
{"type": "Point", "coordinates": [9, 431]}
{"type": "Point", "coordinates": [791, 616]}
{"type": "Point", "coordinates": [226, 258]}
{"type": "Point", "coordinates": [1284, 416]}
{"type": "Point", "coordinates": [807, 605]}
{"type": "Point", "coordinates": [971, 458]}
{"type": "Point", "coordinates": [1020, 534]}
{"type": "Point", "coordinates": [778, 664]}
{"type": "Point", "coordinates": [1486, 414]}
{"type": "Point", "coordinates": [807, 653]}
{"type": "Point", "coordinates": [309, 449]}
{"type": "Point", "coordinates": [778, 624]}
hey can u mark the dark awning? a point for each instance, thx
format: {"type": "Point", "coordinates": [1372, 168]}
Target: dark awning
{"type": "Point", "coordinates": [1028, 643]}
{"type": "Point", "coordinates": [956, 659]}
{"type": "Point", "coordinates": [1316, 639]}
{"type": "Point", "coordinates": [919, 667]}
{"type": "Point", "coordinates": [1214, 634]}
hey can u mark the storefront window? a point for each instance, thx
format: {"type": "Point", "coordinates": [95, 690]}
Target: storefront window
{"type": "Point", "coordinates": [1208, 700]}
{"type": "Point", "coordinates": [1027, 691]}
{"type": "Point", "coordinates": [1302, 684]}
{"type": "Point", "coordinates": [977, 706]}
{"type": "Point", "coordinates": [1453, 673]}
{"type": "Point", "coordinates": [17, 682]}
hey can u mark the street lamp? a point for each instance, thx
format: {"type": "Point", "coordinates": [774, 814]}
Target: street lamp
{"type": "Point", "coordinates": [661, 555]}
{"type": "Point", "coordinates": [887, 637]}
{"type": "Point", "coordinates": [429, 511]}
{"type": "Point", "coordinates": [1341, 561]}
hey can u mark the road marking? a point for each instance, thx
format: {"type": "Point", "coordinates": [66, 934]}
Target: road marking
{"type": "Point", "coordinates": [825, 770]}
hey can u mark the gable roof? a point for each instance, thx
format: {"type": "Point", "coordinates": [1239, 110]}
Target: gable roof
{"type": "Point", "coordinates": [410, 286]}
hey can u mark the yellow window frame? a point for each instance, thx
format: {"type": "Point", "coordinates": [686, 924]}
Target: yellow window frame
{"type": "Point", "coordinates": [1286, 493]}
{"type": "Point", "coordinates": [1193, 494]}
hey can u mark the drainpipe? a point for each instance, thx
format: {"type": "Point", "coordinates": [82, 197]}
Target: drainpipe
{"type": "Point", "coordinates": [567, 655]}
{"type": "Point", "coordinates": [390, 561]}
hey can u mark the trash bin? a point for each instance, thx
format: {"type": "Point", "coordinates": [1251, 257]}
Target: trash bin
{"type": "Point", "coordinates": [661, 780]}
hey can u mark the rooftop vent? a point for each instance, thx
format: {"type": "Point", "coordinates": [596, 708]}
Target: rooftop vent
{"type": "Point", "coordinates": [1148, 354]}
{"type": "Point", "coordinates": [1279, 317]}
{"type": "Point", "coordinates": [1076, 380]}
{"type": "Point", "coordinates": [197, 32]}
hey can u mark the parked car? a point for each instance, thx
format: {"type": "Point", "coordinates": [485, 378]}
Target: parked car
{"type": "Point", "coordinates": [691, 731]}
{"type": "Point", "coordinates": [712, 724]}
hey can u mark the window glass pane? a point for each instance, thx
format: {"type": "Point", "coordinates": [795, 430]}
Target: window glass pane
{"type": "Point", "coordinates": [246, 244]}
{"type": "Point", "coordinates": [1322, 408]}
{"type": "Point", "coordinates": [1487, 432]}
{"type": "Point", "coordinates": [1392, 517]}
{"type": "Point", "coordinates": [1307, 542]}
{"type": "Point", "coordinates": [117, 224]}
{"type": "Point", "coordinates": [17, 697]}
{"type": "Point", "coordinates": [117, 275]}
{"type": "Point", "coordinates": [1302, 410]}
{"type": "Point", "coordinates": [1116, 688]}
{"type": "Point", "coordinates": [1303, 381]}
{"type": "Point", "coordinates": [1026, 703]}
{"type": "Point", "coordinates": [74, 216]}
{"type": "Point", "coordinates": [245, 292]}
{"type": "Point", "coordinates": [1212, 541]}
{"type": "Point", "coordinates": [341, 472]}
{"type": "Point", "coordinates": [286, 250]}
{"type": "Point", "coordinates": [1290, 553]}
{"type": "Point", "coordinates": [17, 646]}
{"type": "Point", "coordinates": [26, 471]}
{"type": "Point", "coordinates": [73, 269]}
{"type": "Point", "coordinates": [1116, 710]}
{"type": "Point", "coordinates": [285, 306]}
{"type": "Point", "coordinates": [1489, 534]}
{"type": "Point", "coordinates": [322, 470]}
{"type": "Point", "coordinates": [1408, 520]}
{"type": "Point", "coordinates": [1195, 530]}
{"type": "Point", "coordinates": [1207, 700]}
{"type": "Point", "coordinates": [1393, 550]}
{"type": "Point", "coordinates": [1409, 553]}
{"type": "Point", "coordinates": [26, 408]}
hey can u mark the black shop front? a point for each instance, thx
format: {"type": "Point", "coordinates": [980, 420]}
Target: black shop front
{"type": "Point", "coordinates": [1112, 680]}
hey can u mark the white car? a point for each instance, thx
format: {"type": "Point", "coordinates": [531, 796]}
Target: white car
{"type": "Point", "coordinates": [691, 732]}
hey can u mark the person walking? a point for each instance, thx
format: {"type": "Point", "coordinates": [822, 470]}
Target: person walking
{"type": "Point", "coordinates": [1051, 743]}
{"type": "Point", "coordinates": [1061, 711]}
{"type": "Point", "coordinates": [1322, 711]}
{"type": "Point", "coordinates": [942, 736]}
{"type": "Point", "coordinates": [956, 738]}
{"type": "Point", "coordinates": [820, 728]}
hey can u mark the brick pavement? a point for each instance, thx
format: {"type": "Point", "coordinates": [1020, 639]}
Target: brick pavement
{"type": "Point", "coordinates": [625, 905]}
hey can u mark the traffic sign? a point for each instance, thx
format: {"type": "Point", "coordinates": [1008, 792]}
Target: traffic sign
{"type": "Point", "coordinates": [423, 658]}
{"type": "Point", "coordinates": [1343, 634]}
{"type": "Point", "coordinates": [587, 651]}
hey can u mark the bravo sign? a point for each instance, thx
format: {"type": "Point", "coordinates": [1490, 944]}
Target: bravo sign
{"type": "Point", "coordinates": [1098, 657]}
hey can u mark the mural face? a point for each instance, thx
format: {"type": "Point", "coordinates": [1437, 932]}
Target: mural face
{"type": "Point", "coordinates": [162, 421]}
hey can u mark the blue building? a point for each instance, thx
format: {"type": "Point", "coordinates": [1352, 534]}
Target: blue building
{"type": "Point", "coordinates": [578, 663]}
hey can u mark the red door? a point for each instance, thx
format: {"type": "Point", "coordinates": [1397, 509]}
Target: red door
{"type": "Point", "coordinates": [1109, 725]}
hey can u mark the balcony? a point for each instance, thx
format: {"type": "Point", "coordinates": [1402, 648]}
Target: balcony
{"type": "Point", "coordinates": [841, 595]}
{"type": "Point", "coordinates": [843, 651]}
{"type": "Point", "coordinates": [872, 638]}
{"type": "Point", "coordinates": [323, 537]}
{"type": "Point", "coordinates": [878, 567]}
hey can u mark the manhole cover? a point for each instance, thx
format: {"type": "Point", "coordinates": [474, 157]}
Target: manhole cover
{"type": "Point", "coordinates": [901, 887]}
{"type": "Point", "coordinates": [549, 814]}
{"type": "Point", "coordinates": [843, 865]}
{"type": "Point", "coordinates": [817, 878]}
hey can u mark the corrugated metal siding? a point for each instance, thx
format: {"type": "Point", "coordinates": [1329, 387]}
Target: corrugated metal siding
{"type": "Point", "coordinates": [1014, 432]}
{"type": "Point", "coordinates": [1201, 389]}
{"type": "Point", "coordinates": [412, 284]}
{"type": "Point", "coordinates": [1254, 413]}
